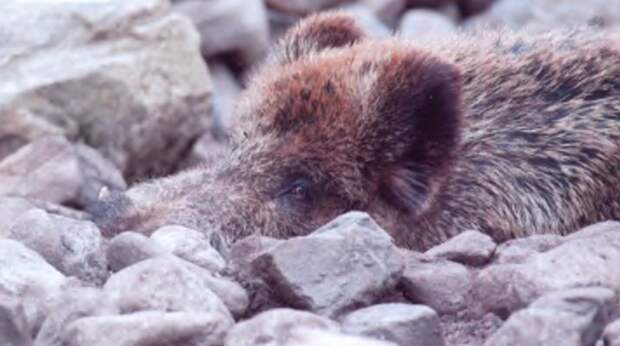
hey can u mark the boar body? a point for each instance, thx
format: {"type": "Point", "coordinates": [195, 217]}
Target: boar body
{"type": "Point", "coordinates": [506, 133]}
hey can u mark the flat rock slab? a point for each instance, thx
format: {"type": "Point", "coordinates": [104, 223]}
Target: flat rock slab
{"type": "Point", "coordinates": [347, 263]}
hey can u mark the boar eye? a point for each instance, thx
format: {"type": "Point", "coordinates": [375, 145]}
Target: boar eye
{"type": "Point", "coordinates": [298, 189]}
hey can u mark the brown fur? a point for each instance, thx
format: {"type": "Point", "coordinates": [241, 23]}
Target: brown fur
{"type": "Point", "coordinates": [505, 133]}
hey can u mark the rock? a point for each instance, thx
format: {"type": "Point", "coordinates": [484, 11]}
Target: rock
{"type": "Point", "coordinates": [14, 330]}
{"type": "Point", "coordinates": [149, 328]}
{"type": "Point", "coordinates": [226, 92]}
{"type": "Point", "coordinates": [611, 334]}
{"type": "Point", "coordinates": [47, 169]}
{"type": "Point", "coordinates": [354, 262]}
{"type": "Point", "coordinates": [97, 174]}
{"type": "Point", "coordinates": [518, 250]}
{"type": "Point", "coordinates": [441, 284]}
{"type": "Point", "coordinates": [11, 208]}
{"type": "Point", "coordinates": [75, 302]}
{"type": "Point", "coordinates": [470, 8]}
{"type": "Point", "coordinates": [189, 245]}
{"type": "Point", "coordinates": [572, 317]}
{"type": "Point", "coordinates": [24, 275]}
{"type": "Point", "coordinates": [129, 248]}
{"type": "Point", "coordinates": [418, 23]}
{"type": "Point", "coordinates": [275, 327]}
{"type": "Point", "coordinates": [366, 19]}
{"type": "Point", "coordinates": [543, 15]}
{"type": "Point", "coordinates": [229, 26]}
{"type": "Point", "coordinates": [74, 247]}
{"type": "Point", "coordinates": [54, 170]}
{"type": "Point", "coordinates": [389, 11]}
{"type": "Point", "coordinates": [302, 7]}
{"type": "Point", "coordinates": [469, 247]}
{"type": "Point", "coordinates": [148, 108]}
{"type": "Point", "coordinates": [311, 337]}
{"type": "Point", "coordinates": [172, 284]}
{"type": "Point", "coordinates": [594, 230]}
{"type": "Point", "coordinates": [242, 253]}
{"type": "Point", "coordinates": [465, 329]}
{"type": "Point", "coordinates": [585, 261]}
{"type": "Point", "coordinates": [403, 324]}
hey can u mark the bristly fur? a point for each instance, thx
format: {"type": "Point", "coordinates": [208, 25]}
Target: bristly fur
{"type": "Point", "coordinates": [506, 133]}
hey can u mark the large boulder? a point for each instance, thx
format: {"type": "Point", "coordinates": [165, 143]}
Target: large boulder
{"type": "Point", "coordinates": [125, 77]}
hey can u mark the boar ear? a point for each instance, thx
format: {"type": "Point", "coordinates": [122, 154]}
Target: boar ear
{"type": "Point", "coordinates": [314, 34]}
{"type": "Point", "coordinates": [416, 106]}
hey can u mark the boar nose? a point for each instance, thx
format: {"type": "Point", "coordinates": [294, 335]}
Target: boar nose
{"type": "Point", "coordinates": [112, 213]}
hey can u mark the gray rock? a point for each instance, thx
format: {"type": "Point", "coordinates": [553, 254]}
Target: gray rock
{"type": "Point", "coordinates": [302, 7]}
{"type": "Point", "coordinates": [578, 262]}
{"type": "Point", "coordinates": [240, 257]}
{"type": "Point", "coordinates": [14, 330]}
{"type": "Point", "coordinates": [149, 328]}
{"type": "Point", "coordinates": [229, 26]}
{"type": "Point", "coordinates": [171, 284]}
{"type": "Point", "coordinates": [469, 247]}
{"type": "Point", "coordinates": [26, 276]}
{"type": "Point", "coordinates": [74, 247]}
{"type": "Point", "coordinates": [403, 324]}
{"type": "Point", "coordinates": [97, 174]}
{"type": "Point", "coordinates": [74, 303]}
{"type": "Point", "coordinates": [353, 262]}
{"type": "Point", "coordinates": [225, 95]}
{"type": "Point", "coordinates": [542, 15]}
{"type": "Point", "coordinates": [46, 169]}
{"type": "Point", "coordinates": [147, 108]}
{"type": "Point", "coordinates": [276, 327]}
{"type": "Point", "coordinates": [611, 334]}
{"type": "Point", "coordinates": [53, 170]}
{"type": "Point", "coordinates": [11, 208]}
{"type": "Point", "coordinates": [312, 337]}
{"type": "Point", "coordinates": [571, 317]}
{"type": "Point", "coordinates": [441, 284]}
{"type": "Point", "coordinates": [366, 19]}
{"type": "Point", "coordinates": [129, 248]}
{"type": "Point", "coordinates": [190, 245]}
{"type": "Point", "coordinates": [420, 22]}
{"type": "Point", "coordinates": [389, 11]}
{"type": "Point", "coordinates": [518, 250]}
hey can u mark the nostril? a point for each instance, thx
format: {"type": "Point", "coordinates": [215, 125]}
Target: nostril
{"type": "Point", "coordinates": [110, 212]}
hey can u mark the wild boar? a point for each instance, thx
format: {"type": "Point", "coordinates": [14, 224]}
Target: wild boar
{"type": "Point", "coordinates": [506, 133]}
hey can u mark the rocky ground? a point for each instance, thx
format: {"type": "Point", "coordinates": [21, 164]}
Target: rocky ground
{"type": "Point", "coordinates": [166, 77]}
